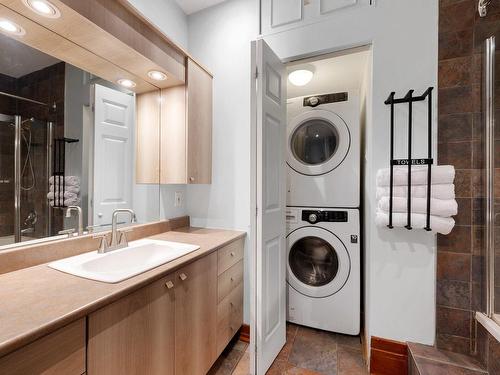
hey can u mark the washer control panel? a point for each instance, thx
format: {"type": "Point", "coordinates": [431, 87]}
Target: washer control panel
{"type": "Point", "coordinates": [318, 216]}
{"type": "Point", "coordinates": [314, 101]}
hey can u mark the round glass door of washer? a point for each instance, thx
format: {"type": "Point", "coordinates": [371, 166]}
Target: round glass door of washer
{"type": "Point", "coordinates": [318, 142]}
{"type": "Point", "coordinates": [318, 262]}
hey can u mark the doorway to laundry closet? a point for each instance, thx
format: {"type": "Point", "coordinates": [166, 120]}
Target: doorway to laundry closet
{"type": "Point", "coordinates": [310, 116]}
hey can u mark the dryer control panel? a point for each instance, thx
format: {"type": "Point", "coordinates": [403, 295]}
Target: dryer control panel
{"type": "Point", "coordinates": [314, 101]}
{"type": "Point", "coordinates": [317, 216]}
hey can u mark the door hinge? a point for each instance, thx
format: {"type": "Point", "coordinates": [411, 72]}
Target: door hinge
{"type": "Point", "coordinates": [256, 211]}
{"type": "Point", "coordinates": [256, 72]}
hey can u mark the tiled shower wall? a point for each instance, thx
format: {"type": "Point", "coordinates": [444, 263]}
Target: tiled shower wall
{"type": "Point", "coordinates": [460, 265]}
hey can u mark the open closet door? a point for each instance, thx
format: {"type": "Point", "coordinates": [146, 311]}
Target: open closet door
{"type": "Point", "coordinates": [270, 257]}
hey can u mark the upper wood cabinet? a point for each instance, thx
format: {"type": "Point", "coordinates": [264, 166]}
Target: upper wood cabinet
{"type": "Point", "coordinates": [134, 335]}
{"type": "Point", "coordinates": [199, 124]}
{"type": "Point", "coordinates": [196, 316]}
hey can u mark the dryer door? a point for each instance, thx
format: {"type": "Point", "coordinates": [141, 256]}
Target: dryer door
{"type": "Point", "coordinates": [318, 142]}
{"type": "Point", "coordinates": [318, 262]}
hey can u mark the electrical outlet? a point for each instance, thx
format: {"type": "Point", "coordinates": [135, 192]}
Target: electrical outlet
{"type": "Point", "coordinates": [178, 199]}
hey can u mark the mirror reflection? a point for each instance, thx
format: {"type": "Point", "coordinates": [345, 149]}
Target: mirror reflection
{"type": "Point", "coordinates": [67, 149]}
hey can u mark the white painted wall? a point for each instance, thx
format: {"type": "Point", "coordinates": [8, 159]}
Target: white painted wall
{"type": "Point", "coordinates": [400, 264]}
{"type": "Point", "coordinates": [168, 16]}
{"type": "Point", "coordinates": [220, 38]}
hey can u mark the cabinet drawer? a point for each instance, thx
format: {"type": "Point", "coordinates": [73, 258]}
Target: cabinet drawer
{"type": "Point", "coordinates": [229, 317]}
{"type": "Point", "coordinates": [229, 255]}
{"type": "Point", "coordinates": [229, 280]}
{"type": "Point", "coordinates": [61, 352]}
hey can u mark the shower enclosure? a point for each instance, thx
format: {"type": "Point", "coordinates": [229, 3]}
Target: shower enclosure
{"type": "Point", "coordinates": [25, 152]}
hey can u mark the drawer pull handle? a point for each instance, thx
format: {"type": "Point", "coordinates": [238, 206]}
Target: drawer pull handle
{"type": "Point", "coordinates": [232, 253]}
{"type": "Point", "coordinates": [231, 304]}
{"type": "Point", "coordinates": [183, 276]}
{"type": "Point", "coordinates": [169, 284]}
{"type": "Point", "coordinates": [232, 279]}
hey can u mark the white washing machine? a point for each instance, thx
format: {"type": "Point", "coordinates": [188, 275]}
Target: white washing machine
{"type": "Point", "coordinates": [323, 152]}
{"type": "Point", "coordinates": [323, 268]}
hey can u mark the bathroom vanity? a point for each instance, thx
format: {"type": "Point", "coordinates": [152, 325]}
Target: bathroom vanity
{"type": "Point", "coordinates": [174, 319]}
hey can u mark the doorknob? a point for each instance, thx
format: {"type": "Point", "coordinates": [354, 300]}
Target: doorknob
{"type": "Point", "coordinates": [183, 276]}
{"type": "Point", "coordinates": [99, 214]}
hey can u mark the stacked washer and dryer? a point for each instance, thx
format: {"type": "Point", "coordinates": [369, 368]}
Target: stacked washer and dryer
{"type": "Point", "coordinates": [323, 223]}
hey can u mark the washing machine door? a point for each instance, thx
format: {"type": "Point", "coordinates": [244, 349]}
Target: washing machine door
{"type": "Point", "coordinates": [318, 142]}
{"type": "Point", "coordinates": [318, 262]}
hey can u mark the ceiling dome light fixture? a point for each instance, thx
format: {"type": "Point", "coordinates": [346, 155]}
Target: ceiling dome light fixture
{"type": "Point", "coordinates": [43, 7]}
{"type": "Point", "coordinates": [11, 28]}
{"type": "Point", "coordinates": [157, 75]}
{"type": "Point", "coordinates": [127, 83]}
{"type": "Point", "coordinates": [300, 77]}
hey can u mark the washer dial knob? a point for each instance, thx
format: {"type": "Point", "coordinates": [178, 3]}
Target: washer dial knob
{"type": "Point", "coordinates": [314, 101]}
{"type": "Point", "coordinates": [313, 218]}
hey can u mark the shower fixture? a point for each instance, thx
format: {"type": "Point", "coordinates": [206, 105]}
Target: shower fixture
{"type": "Point", "coordinates": [482, 7]}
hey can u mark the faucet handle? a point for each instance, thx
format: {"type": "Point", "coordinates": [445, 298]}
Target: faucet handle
{"type": "Point", "coordinates": [68, 232]}
{"type": "Point", "coordinates": [123, 236]}
{"type": "Point", "coordinates": [104, 242]}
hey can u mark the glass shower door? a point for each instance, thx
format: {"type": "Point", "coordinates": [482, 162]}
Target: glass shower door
{"type": "Point", "coordinates": [7, 191]}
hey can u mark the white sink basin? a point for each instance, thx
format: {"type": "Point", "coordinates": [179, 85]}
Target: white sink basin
{"type": "Point", "coordinates": [118, 265]}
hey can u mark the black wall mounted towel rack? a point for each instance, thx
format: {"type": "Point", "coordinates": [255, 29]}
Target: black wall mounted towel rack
{"type": "Point", "coordinates": [409, 99]}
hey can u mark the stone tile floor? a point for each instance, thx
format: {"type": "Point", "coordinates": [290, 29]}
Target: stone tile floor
{"type": "Point", "coordinates": [307, 351]}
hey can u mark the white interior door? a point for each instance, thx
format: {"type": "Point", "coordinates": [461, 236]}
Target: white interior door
{"type": "Point", "coordinates": [113, 152]}
{"type": "Point", "coordinates": [269, 316]}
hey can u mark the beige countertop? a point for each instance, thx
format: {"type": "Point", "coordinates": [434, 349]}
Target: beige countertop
{"type": "Point", "coordinates": [38, 300]}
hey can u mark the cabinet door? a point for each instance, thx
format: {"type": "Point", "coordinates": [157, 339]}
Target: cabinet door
{"type": "Point", "coordinates": [199, 124]}
{"type": "Point", "coordinates": [134, 335]}
{"type": "Point", "coordinates": [196, 316]}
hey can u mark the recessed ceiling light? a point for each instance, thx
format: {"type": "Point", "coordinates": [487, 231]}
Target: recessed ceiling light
{"type": "Point", "coordinates": [127, 83]}
{"type": "Point", "coordinates": [11, 28]}
{"type": "Point", "coordinates": [300, 77]}
{"type": "Point", "coordinates": [43, 7]}
{"type": "Point", "coordinates": [157, 75]}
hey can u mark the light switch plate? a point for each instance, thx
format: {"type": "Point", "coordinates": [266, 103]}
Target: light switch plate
{"type": "Point", "coordinates": [178, 199]}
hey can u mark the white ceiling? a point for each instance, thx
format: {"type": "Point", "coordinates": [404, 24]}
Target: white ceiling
{"type": "Point", "coordinates": [18, 59]}
{"type": "Point", "coordinates": [193, 6]}
{"type": "Point", "coordinates": [341, 71]}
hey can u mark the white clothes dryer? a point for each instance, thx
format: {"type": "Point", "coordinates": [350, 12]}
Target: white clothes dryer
{"type": "Point", "coordinates": [323, 150]}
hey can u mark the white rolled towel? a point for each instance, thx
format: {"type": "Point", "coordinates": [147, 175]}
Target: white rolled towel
{"type": "Point", "coordinates": [67, 202]}
{"type": "Point", "coordinates": [438, 191]}
{"type": "Point", "coordinates": [439, 207]}
{"type": "Point", "coordinates": [442, 225]}
{"type": "Point", "coordinates": [67, 195]}
{"type": "Point", "coordinates": [68, 180]}
{"type": "Point", "coordinates": [69, 188]}
{"type": "Point", "coordinates": [441, 174]}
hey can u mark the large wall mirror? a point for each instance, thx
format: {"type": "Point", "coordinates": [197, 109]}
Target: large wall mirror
{"type": "Point", "coordinates": [70, 138]}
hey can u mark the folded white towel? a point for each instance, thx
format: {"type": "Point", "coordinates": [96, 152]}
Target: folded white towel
{"type": "Point", "coordinates": [438, 191]}
{"type": "Point", "coordinates": [441, 174]}
{"type": "Point", "coordinates": [442, 225]}
{"type": "Point", "coordinates": [68, 180]}
{"type": "Point", "coordinates": [67, 202]}
{"type": "Point", "coordinates": [69, 188]}
{"type": "Point", "coordinates": [439, 207]}
{"type": "Point", "coordinates": [67, 194]}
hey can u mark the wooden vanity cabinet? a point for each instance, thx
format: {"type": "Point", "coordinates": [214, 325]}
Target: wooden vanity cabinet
{"type": "Point", "coordinates": [60, 352]}
{"type": "Point", "coordinates": [196, 316]}
{"type": "Point", "coordinates": [134, 335]}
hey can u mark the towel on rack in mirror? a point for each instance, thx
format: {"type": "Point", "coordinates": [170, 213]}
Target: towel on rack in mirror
{"type": "Point", "coordinates": [438, 191]}
{"type": "Point", "coordinates": [68, 188]}
{"type": "Point", "coordinates": [66, 195]}
{"type": "Point", "coordinates": [439, 207]}
{"type": "Point", "coordinates": [68, 180]}
{"type": "Point", "coordinates": [67, 202]}
{"type": "Point", "coordinates": [441, 174]}
{"type": "Point", "coordinates": [442, 225]}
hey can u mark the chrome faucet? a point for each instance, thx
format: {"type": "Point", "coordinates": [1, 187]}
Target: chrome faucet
{"type": "Point", "coordinates": [122, 242]}
{"type": "Point", "coordinates": [78, 210]}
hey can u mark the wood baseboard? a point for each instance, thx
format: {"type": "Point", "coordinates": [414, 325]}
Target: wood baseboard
{"type": "Point", "coordinates": [388, 357]}
{"type": "Point", "coordinates": [245, 333]}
